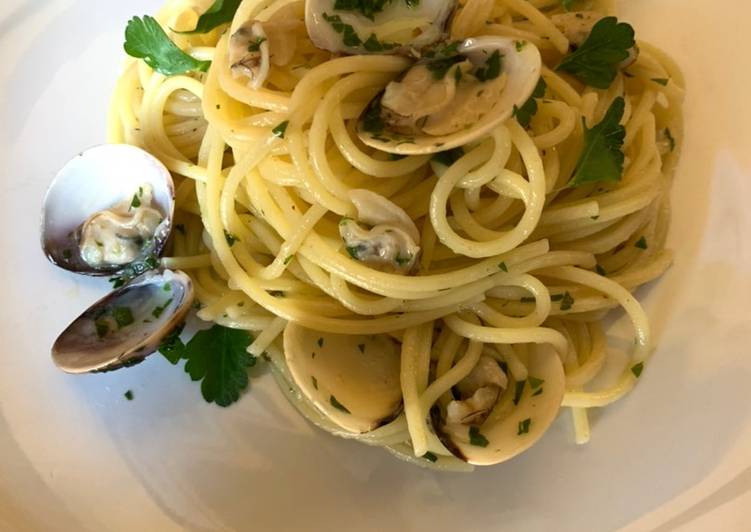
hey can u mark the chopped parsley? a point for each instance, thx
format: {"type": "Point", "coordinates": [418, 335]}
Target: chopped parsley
{"type": "Point", "coordinates": [339, 406]}
{"type": "Point", "coordinates": [535, 383]}
{"type": "Point", "coordinates": [661, 81]}
{"type": "Point", "coordinates": [538, 392]}
{"type": "Point", "coordinates": [145, 39]}
{"type": "Point", "coordinates": [636, 369]}
{"type": "Point", "coordinates": [123, 316]}
{"type": "Point", "coordinates": [172, 347]}
{"type": "Point", "coordinates": [102, 328]}
{"type": "Point", "coordinates": [255, 45]}
{"type": "Point", "coordinates": [230, 238]}
{"type": "Point", "coordinates": [220, 12]}
{"type": "Point", "coordinates": [158, 311]}
{"type": "Point", "coordinates": [276, 293]}
{"type": "Point", "coordinates": [288, 260]}
{"type": "Point", "coordinates": [401, 261]}
{"type": "Point", "coordinates": [503, 267]}
{"type": "Point", "coordinates": [134, 269]}
{"type": "Point", "coordinates": [351, 38]}
{"type": "Point", "coordinates": [476, 438]}
{"type": "Point", "coordinates": [440, 67]}
{"type": "Point", "coordinates": [492, 68]}
{"type": "Point", "coordinates": [128, 395]}
{"type": "Point", "coordinates": [520, 45]}
{"type": "Point", "coordinates": [314, 381]}
{"type": "Point", "coordinates": [371, 120]}
{"type": "Point", "coordinates": [567, 4]}
{"type": "Point", "coordinates": [135, 202]}
{"type": "Point", "coordinates": [641, 243]}
{"type": "Point", "coordinates": [167, 287]}
{"type": "Point", "coordinates": [524, 427]}
{"type": "Point", "coordinates": [600, 270]}
{"type": "Point", "coordinates": [448, 157]}
{"type": "Point", "coordinates": [595, 62]}
{"type": "Point", "coordinates": [518, 391]}
{"type": "Point", "coordinates": [567, 302]}
{"type": "Point", "coordinates": [602, 157]}
{"type": "Point", "coordinates": [354, 251]}
{"type": "Point", "coordinates": [430, 457]}
{"type": "Point", "coordinates": [525, 113]}
{"type": "Point", "coordinates": [320, 342]}
{"type": "Point", "coordinates": [361, 347]}
{"type": "Point", "coordinates": [368, 8]}
{"type": "Point", "coordinates": [280, 129]}
{"type": "Point", "coordinates": [219, 359]}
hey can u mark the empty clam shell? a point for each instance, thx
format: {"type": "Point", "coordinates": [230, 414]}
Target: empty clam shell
{"type": "Point", "coordinates": [125, 326]}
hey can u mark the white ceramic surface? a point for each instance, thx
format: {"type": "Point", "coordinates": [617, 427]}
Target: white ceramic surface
{"type": "Point", "coordinates": [75, 455]}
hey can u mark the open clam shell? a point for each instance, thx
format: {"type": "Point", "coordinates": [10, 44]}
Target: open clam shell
{"type": "Point", "coordinates": [472, 103]}
{"type": "Point", "coordinates": [93, 182]}
{"type": "Point", "coordinates": [125, 326]}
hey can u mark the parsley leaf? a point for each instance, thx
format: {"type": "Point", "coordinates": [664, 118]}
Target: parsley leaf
{"type": "Point", "coordinates": [145, 39]}
{"type": "Point", "coordinates": [128, 395]}
{"type": "Point", "coordinates": [220, 12]}
{"type": "Point", "coordinates": [602, 158]}
{"type": "Point", "coordinates": [636, 369]}
{"type": "Point", "coordinates": [218, 357]}
{"type": "Point", "coordinates": [641, 243]}
{"type": "Point", "coordinates": [525, 113]}
{"type": "Point", "coordinates": [595, 62]}
{"type": "Point", "coordinates": [430, 457]}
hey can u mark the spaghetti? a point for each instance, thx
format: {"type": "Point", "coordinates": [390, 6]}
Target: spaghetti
{"type": "Point", "coordinates": [511, 257]}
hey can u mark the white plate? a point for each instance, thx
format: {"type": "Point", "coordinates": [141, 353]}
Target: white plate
{"type": "Point", "coordinates": [75, 455]}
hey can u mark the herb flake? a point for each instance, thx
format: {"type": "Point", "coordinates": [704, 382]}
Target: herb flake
{"type": "Point", "coordinates": [524, 427]}
{"type": "Point", "coordinates": [476, 438]}
{"type": "Point", "coordinates": [280, 129]}
{"type": "Point", "coordinates": [339, 406]}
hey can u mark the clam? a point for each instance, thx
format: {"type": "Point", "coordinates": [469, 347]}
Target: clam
{"type": "Point", "coordinates": [390, 240]}
{"type": "Point", "coordinates": [377, 27]}
{"type": "Point", "coordinates": [485, 430]}
{"type": "Point", "coordinates": [351, 379]}
{"type": "Point", "coordinates": [454, 95]}
{"type": "Point", "coordinates": [125, 326]}
{"type": "Point", "coordinates": [109, 207]}
{"type": "Point", "coordinates": [108, 212]}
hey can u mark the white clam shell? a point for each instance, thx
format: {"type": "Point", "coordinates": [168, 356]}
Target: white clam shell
{"type": "Point", "coordinates": [521, 62]}
{"type": "Point", "coordinates": [358, 373]}
{"type": "Point", "coordinates": [81, 349]}
{"type": "Point", "coordinates": [95, 180]}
